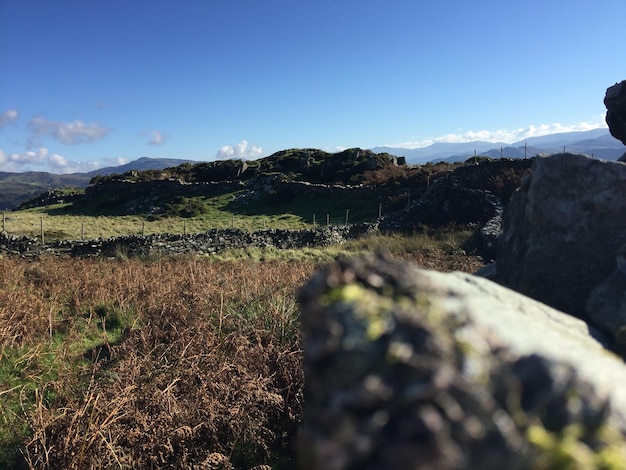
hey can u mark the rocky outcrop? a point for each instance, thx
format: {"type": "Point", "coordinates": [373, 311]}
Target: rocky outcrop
{"type": "Point", "coordinates": [606, 306]}
{"type": "Point", "coordinates": [615, 102]}
{"type": "Point", "coordinates": [445, 202]}
{"type": "Point", "coordinates": [563, 229]}
{"type": "Point", "coordinates": [470, 194]}
{"type": "Point", "coordinates": [414, 369]}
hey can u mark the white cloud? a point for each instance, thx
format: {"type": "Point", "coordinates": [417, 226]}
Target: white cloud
{"type": "Point", "coordinates": [58, 161]}
{"type": "Point", "coordinates": [501, 135]}
{"type": "Point", "coordinates": [157, 138]}
{"type": "Point", "coordinates": [337, 149]}
{"type": "Point", "coordinates": [8, 117]}
{"type": "Point", "coordinates": [243, 150]}
{"type": "Point", "coordinates": [75, 132]}
{"type": "Point", "coordinates": [41, 160]}
{"type": "Point", "coordinates": [30, 157]}
{"type": "Point", "coordinates": [15, 162]}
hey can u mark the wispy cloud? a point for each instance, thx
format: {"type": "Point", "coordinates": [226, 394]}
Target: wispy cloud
{"type": "Point", "coordinates": [501, 135]}
{"type": "Point", "coordinates": [157, 138]}
{"type": "Point", "coordinates": [243, 150]}
{"type": "Point", "coordinates": [70, 133]}
{"type": "Point", "coordinates": [42, 160]}
{"type": "Point", "coordinates": [30, 157]}
{"type": "Point", "coordinates": [8, 117]}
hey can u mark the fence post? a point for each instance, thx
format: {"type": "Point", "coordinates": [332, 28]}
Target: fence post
{"type": "Point", "coordinates": [82, 231]}
{"type": "Point", "coordinates": [43, 241]}
{"type": "Point", "coordinates": [327, 220]}
{"type": "Point", "coordinates": [347, 212]}
{"type": "Point", "coordinates": [380, 210]}
{"type": "Point", "coordinates": [143, 228]}
{"type": "Point", "coordinates": [313, 220]}
{"type": "Point", "coordinates": [184, 228]}
{"type": "Point", "coordinates": [232, 225]}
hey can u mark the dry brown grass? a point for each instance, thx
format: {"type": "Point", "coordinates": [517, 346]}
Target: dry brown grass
{"type": "Point", "coordinates": [180, 363]}
{"type": "Point", "coordinates": [208, 363]}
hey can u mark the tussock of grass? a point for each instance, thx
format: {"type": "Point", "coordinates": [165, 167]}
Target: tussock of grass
{"type": "Point", "coordinates": [434, 249]}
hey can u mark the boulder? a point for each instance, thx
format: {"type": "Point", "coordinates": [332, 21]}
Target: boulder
{"type": "Point", "coordinates": [562, 230]}
{"type": "Point", "coordinates": [414, 369]}
{"type": "Point", "coordinates": [484, 241]}
{"type": "Point", "coordinates": [606, 306]}
{"type": "Point", "coordinates": [615, 102]}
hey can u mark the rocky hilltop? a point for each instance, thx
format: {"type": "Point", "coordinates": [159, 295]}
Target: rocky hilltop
{"type": "Point", "coordinates": [296, 174]}
{"type": "Point", "coordinates": [472, 194]}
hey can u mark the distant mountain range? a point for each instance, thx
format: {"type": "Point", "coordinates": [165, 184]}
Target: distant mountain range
{"type": "Point", "coordinates": [16, 188]}
{"type": "Point", "coordinates": [143, 163]}
{"type": "Point", "coordinates": [597, 143]}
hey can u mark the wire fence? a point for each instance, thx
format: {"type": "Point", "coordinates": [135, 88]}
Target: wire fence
{"type": "Point", "coordinates": [84, 231]}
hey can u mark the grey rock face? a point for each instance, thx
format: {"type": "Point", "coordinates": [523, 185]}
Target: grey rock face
{"type": "Point", "coordinates": [615, 102]}
{"type": "Point", "coordinates": [562, 230]}
{"type": "Point", "coordinates": [606, 306]}
{"type": "Point", "coordinates": [414, 369]}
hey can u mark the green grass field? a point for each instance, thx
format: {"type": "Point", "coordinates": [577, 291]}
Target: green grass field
{"type": "Point", "coordinates": [96, 219]}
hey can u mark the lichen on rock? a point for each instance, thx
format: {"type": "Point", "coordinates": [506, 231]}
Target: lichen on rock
{"type": "Point", "coordinates": [403, 372]}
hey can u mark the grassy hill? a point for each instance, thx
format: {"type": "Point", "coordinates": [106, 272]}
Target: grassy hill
{"type": "Point", "coordinates": [194, 198]}
{"type": "Point", "coordinates": [291, 189]}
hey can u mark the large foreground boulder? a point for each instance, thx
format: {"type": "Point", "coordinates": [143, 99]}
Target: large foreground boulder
{"type": "Point", "coordinates": [414, 369]}
{"type": "Point", "coordinates": [562, 230]}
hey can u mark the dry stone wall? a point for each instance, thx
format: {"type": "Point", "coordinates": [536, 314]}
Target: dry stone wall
{"type": "Point", "coordinates": [210, 242]}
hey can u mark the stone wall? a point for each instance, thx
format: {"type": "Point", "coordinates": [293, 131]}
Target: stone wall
{"type": "Point", "coordinates": [210, 242]}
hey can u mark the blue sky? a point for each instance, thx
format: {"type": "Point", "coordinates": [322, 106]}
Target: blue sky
{"type": "Point", "coordinates": [90, 83]}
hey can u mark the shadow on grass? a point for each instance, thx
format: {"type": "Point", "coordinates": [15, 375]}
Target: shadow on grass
{"type": "Point", "coordinates": [306, 208]}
